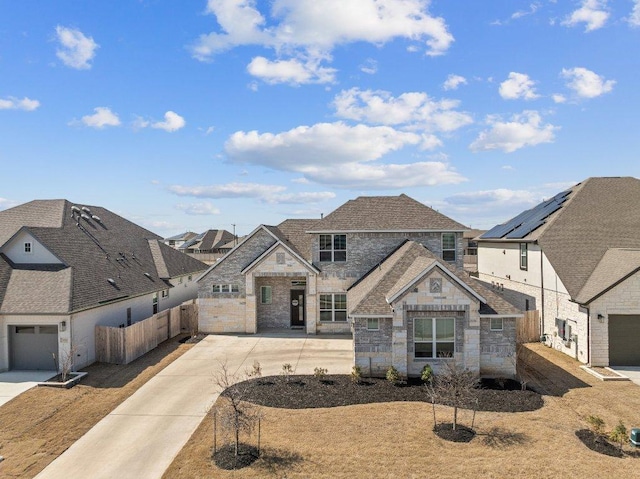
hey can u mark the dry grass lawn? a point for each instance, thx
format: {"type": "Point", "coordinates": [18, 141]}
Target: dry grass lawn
{"type": "Point", "coordinates": [40, 424]}
{"type": "Point", "coordinates": [395, 440]}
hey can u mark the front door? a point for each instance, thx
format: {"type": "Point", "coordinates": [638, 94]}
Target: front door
{"type": "Point", "coordinates": [297, 307]}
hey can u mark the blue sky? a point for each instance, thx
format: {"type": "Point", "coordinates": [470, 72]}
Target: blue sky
{"type": "Point", "coordinates": [195, 115]}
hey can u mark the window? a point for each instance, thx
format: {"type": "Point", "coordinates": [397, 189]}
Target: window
{"type": "Point", "coordinates": [523, 256]}
{"type": "Point", "coordinates": [434, 337]}
{"type": "Point", "coordinates": [25, 329]}
{"type": "Point", "coordinates": [449, 247]}
{"type": "Point", "coordinates": [373, 324]}
{"type": "Point", "coordinates": [496, 324]}
{"type": "Point", "coordinates": [333, 248]}
{"type": "Point", "coordinates": [165, 293]}
{"type": "Point", "coordinates": [27, 247]}
{"type": "Point", "coordinates": [155, 303]}
{"type": "Point", "coordinates": [333, 307]}
{"type": "Point", "coordinates": [564, 329]}
{"type": "Point", "coordinates": [226, 288]}
{"type": "Point", "coordinates": [265, 294]}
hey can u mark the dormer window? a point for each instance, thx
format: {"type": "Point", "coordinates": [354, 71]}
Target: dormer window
{"type": "Point", "coordinates": [27, 247]}
{"type": "Point", "coordinates": [333, 248]}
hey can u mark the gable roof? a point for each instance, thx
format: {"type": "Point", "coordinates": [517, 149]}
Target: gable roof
{"type": "Point", "coordinates": [187, 235]}
{"type": "Point", "coordinates": [271, 249]}
{"type": "Point", "coordinates": [92, 248]}
{"type": "Point", "coordinates": [210, 239]}
{"type": "Point", "coordinates": [409, 263]}
{"type": "Point", "coordinates": [385, 213]}
{"type": "Point", "coordinates": [295, 231]}
{"type": "Point", "coordinates": [616, 265]}
{"type": "Point", "coordinates": [598, 214]}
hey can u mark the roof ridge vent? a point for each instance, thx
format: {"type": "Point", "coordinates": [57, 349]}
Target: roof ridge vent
{"type": "Point", "coordinates": [85, 216]}
{"type": "Point", "coordinates": [96, 218]}
{"type": "Point", "coordinates": [111, 281]}
{"type": "Point", "coordinates": [86, 209]}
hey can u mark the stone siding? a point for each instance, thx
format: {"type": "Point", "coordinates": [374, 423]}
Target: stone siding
{"type": "Point", "coordinates": [222, 314]}
{"type": "Point", "coordinates": [497, 349]}
{"type": "Point", "coordinates": [373, 348]}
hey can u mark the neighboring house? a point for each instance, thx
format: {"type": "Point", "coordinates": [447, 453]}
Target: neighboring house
{"type": "Point", "coordinates": [471, 249]}
{"type": "Point", "coordinates": [209, 246]}
{"type": "Point", "coordinates": [363, 269]}
{"type": "Point", "coordinates": [178, 240]}
{"type": "Point", "coordinates": [576, 258]}
{"type": "Point", "coordinates": [65, 269]}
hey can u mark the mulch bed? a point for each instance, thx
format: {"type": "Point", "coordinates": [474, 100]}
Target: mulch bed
{"type": "Point", "coordinates": [598, 443]}
{"type": "Point", "coordinates": [302, 392]}
{"type": "Point", "coordinates": [461, 434]}
{"type": "Point", "coordinates": [225, 457]}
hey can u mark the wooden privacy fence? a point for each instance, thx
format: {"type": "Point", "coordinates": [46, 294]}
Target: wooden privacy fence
{"type": "Point", "coordinates": [123, 345]}
{"type": "Point", "coordinates": [528, 327]}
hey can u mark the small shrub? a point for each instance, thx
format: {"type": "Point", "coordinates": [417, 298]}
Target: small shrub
{"type": "Point", "coordinates": [356, 374]}
{"type": "Point", "coordinates": [619, 434]}
{"type": "Point", "coordinates": [426, 375]}
{"type": "Point", "coordinates": [287, 371]}
{"type": "Point", "coordinates": [393, 375]}
{"type": "Point", "coordinates": [319, 373]}
{"type": "Point", "coordinates": [596, 424]}
{"type": "Point", "coordinates": [255, 371]}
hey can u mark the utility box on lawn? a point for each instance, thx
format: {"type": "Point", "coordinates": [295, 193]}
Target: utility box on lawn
{"type": "Point", "coordinates": [635, 436]}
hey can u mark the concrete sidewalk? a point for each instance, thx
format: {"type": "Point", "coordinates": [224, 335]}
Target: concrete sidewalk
{"type": "Point", "coordinates": [13, 383]}
{"type": "Point", "coordinates": [141, 437]}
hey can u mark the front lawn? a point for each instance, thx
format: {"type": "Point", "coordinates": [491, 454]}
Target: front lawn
{"type": "Point", "coordinates": [396, 439]}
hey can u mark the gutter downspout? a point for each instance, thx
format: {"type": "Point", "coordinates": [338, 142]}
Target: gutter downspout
{"type": "Point", "coordinates": [588, 337]}
{"type": "Point", "coordinates": [541, 289]}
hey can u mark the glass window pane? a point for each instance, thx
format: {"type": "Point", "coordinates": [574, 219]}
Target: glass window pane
{"type": "Point", "coordinates": [325, 242]}
{"type": "Point", "coordinates": [373, 324]}
{"type": "Point", "coordinates": [235, 288]}
{"type": "Point", "coordinates": [340, 242]}
{"type": "Point", "coordinates": [496, 324]}
{"type": "Point", "coordinates": [449, 255]}
{"type": "Point", "coordinates": [340, 256]}
{"type": "Point", "coordinates": [448, 241]}
{"type": "Point", "coordinates": [423, 329]}
{"type": "Point", "coordinates": [225, 288]}
{"type": "Point", "coordinates": [325, 255]}
{"type": "Point", "coordinates": [444, 350]}
{"type": "Point", "coordinates": [325, 301]}
{"type": "Point", "coordinates": [340, 301]}
{"type": "Point", "coordinates": [341, 316]}
{"type": "Point", "coordinates": [445, 329]}
{"type": "Point", "coordinates": [325, 316]}
{"type": "Point", "coordinates": [424, 350]}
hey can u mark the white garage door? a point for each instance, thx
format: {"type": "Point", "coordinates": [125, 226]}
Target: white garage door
{"type": "Point", "coordinates": [32, 347]}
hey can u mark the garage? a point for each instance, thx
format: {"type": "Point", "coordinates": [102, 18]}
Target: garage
{"type": "Point", "coordinates": [624, 340]}
{"type": "Point", "coordinates": [33, 346]}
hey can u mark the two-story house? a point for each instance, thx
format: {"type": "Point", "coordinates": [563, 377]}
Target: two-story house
{"type": "Point", "coordinates": [575, 258]}
{"type": "Point", "coordinates": [325, 275]}
{"type": "Point", "coordinates": [65, 268]}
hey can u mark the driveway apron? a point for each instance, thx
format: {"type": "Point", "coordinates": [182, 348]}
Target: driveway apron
{"type": "Point", "coordinates": [141, 437]}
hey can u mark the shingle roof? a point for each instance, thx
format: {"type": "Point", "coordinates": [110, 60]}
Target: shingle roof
{"type": "Point", "coordinates": [209, 240]}
{"type": "Point", "coordinates": [92, 251]}
{"type": "Point", "coordinates": [295, 231]}
{"type": "Point", "coordinates": [187, 235]}
{"type": "Point", "coordinates": [599, 214]}
{"type": "Point", "coordinates": [616, 265]}
{"type": "Point", "coordinates": [386, 213]}
{"type": "Point", "coordinates": [370, 295]}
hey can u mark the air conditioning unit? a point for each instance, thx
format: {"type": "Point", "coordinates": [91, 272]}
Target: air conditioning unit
{"type": "Point", "coordinates": [635, 436]}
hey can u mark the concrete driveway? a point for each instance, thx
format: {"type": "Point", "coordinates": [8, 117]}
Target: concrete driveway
{"type": "Point", "coordinates": [141, 437]}
{"type": "Point", "coordinates": [632, 372]}
{"type": "Point", "coordinates": [13, 383]}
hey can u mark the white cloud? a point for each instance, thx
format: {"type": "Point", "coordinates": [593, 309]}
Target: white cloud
{"type": "Point", "coordinates": [340, 155]}
{"type": "Point", "coordinates": [300, 31]}
{"type": "Point", "coordinates": [592, 13]}
{"type": "Point", "coordinates": [518, 85]}
{"type": "Point", "coordinates": [453, 82]}
{"type": "Point", "coordinates": [274, 194]}
{"type": "Point", "coordinates": [172, 122]}
{"type": "Point", "coordinates": [634, 18]}
{"type": "Point", "coordinates": [102, 117]}
{"type": "Point", "coordinates": [410, 109]}
{"type": "Point", "coordinates": [12, 103]}
{"type": "Point", "coordinates": [229, 190]}
{"type": "Point", "coordinates": [370, 67]}
{"type": "Point", "coordinates": [558, 98]}
{"type": "Point", "coordinates": [294, 71]}
{"type": "Point", "coordinates": [6, 203]}
{"type": "Point", "coordinates": [302, 180]}
{"type": "Point", "coordinates": [75, 50]}
{"type": "Point", "coordinates": [524, 129]}
{"type": "Point", "coordinates": [508, 167]}
{"type": "Point", "coordinates": [203, 208]}
{"type": "Point", "coordinates": [533, 8]}
{"type": "Point", "coordinates": [585, 83]}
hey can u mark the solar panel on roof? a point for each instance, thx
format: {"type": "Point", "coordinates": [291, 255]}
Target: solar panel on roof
{"type": "Point", "coordinates": [529, 220]}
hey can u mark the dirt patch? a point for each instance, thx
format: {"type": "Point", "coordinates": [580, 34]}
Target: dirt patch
{"type": "Point", "coordinates": [40, 424]}
{"type": "Point", "coordinates": [459, 434]}
{"type": "Point", "coordinates": [598, 443]}
{"type": "Point", "coordinates": [303, 392]}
